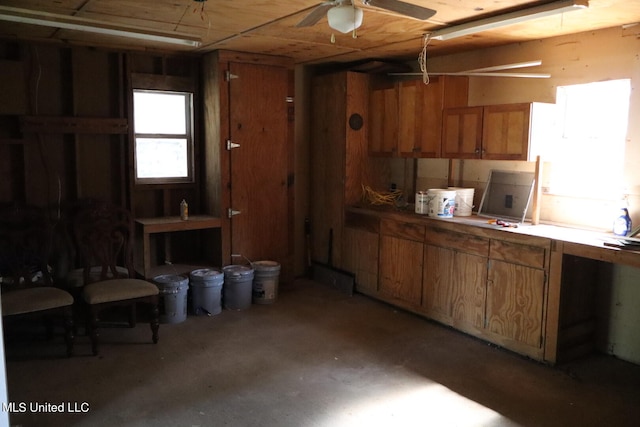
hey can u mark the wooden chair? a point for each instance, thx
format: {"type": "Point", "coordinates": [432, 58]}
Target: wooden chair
{"type": "Point", "coordinates": [104, 238]}
{"type": "Point", "coordinates": [27, 287]}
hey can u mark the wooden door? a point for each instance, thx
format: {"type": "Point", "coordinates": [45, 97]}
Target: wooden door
{"type": "Point", "coordinates": [361, 258]}
{"type": "Point", "coordinates": [454, 289]}
{"type": "Point", "coordinates": [469, 293]}
{"type": "Point", "coordinates": [383, 124]}
{"type": "Point", "coordinates": [438, 282]}
{"type": "Point", "coordinates": [462, 133]}
{"type": "Point", "coordinates": [505, 132]}
{"type": "Point", "coordinates": [401, 269]}
{"type": "Point", "coordinates": [515, 300]}
{"type": "Point", "coordinates": [258, 167]}
{"type": "Point", "coordinates": [401, 257]}
{"type": "Point", "coordinates": [420, 118]}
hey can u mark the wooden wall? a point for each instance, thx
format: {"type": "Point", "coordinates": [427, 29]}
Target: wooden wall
{"type": "Point", "coordinates": [66, 126]}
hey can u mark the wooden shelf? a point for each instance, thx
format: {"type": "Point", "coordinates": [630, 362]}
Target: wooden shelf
{"type": "Point", "coordinates": [167, 225]}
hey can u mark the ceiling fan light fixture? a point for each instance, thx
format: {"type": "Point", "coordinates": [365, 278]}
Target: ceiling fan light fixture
{"type": "Point", "coordinates": [345, 18]}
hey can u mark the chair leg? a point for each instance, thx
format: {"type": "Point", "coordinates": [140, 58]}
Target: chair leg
{"type": "Point", "coordinates": [155, 319]}
{"type": "Point", "coordinates": [132, 315]}
{"type": "Point", "coordinates": [92, 322]}
{"type": "Point", "coordinates": [69, 327]}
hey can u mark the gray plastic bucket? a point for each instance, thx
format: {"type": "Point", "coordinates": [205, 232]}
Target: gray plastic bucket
{"type": "Point", "coordinates": [265, 281]}
{"type": "Point", "coordinates": [238, 281]}
{"type": "Point", "coordinates": [206, 290]}
{"type": "Point", "coordinates": [172, 303]}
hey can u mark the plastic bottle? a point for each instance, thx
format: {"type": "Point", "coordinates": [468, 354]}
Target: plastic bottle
{"type": "Point", "coordinates": [184, 210]}
{"type": "Point", "coordinates": [622, 224]}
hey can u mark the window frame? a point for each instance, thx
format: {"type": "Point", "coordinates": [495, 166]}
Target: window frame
{"type": "Point", "coordinates": [188, 135]}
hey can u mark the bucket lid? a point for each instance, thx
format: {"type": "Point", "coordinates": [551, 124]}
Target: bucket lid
{"type": "Point", "coordinates": [170, 279]}
{"type": "Point", "coordinates": [237, 270]}
{"type": "Point", "coordinates": [266, 265]}
{"type": "Point", "coordinates": [205, 273]}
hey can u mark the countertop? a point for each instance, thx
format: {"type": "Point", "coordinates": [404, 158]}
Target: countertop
{"type": "Point", "coordinates": [574, 241]}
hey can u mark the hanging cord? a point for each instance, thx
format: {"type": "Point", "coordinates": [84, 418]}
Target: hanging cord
{"type": "Point", "coordinates": [354, 34]}
{"type": "Point", "coordinates": [422, 58]}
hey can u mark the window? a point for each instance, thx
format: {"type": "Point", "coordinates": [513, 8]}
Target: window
{"type": "Point", "coordinates": [162, 124]}
{"type": "Point", "coordinates": [587, 152]}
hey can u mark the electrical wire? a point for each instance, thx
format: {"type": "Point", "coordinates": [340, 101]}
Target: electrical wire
{"type": "Point", "coordinates": [380, 198]}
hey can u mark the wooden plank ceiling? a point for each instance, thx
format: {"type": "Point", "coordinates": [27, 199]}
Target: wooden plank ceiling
{"type": "Point", "coordinates": [269, 26]}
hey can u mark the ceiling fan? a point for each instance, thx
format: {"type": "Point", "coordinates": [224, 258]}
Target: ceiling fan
{"type": "Point", "coordinates": [344, 16]}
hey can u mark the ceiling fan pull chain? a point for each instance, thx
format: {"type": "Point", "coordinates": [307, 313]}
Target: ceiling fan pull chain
{"type": "Point", "coordinates": [333, 38]}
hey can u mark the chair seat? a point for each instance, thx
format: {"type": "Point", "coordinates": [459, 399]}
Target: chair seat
{"type": "Point", "coordinates": [117, 290]}
{"type": "Point", "coordinates": [75, 278]}
{"type": "Point", "coordinates": [31, 300]}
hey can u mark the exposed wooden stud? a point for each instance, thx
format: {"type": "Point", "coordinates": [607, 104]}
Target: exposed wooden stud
{"type": "Point", "coordinates": [537, 193]}
{"type": "Point", "coordinates": [75, 125]}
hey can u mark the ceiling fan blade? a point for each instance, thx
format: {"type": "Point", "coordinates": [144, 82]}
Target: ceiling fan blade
{"type": "Point", "coordinates": [407, 9]}
{"type": "Point", "coordinates": [316, 14]}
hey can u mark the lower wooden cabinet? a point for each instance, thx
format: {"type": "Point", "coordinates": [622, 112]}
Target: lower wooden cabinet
{"type": "Point", "coordinates": [361, 258]}
{"type": "Point", "coordinates": [483, 283]}
{"type": "Point", "coordinates": [515, 302]}
{"type": "Point", "coordinates": [401, 269]}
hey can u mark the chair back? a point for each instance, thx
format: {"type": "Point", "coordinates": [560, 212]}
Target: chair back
{"type": "Point", "coordinates": [104, 239]}
{"type": "Point", "coordinates": [25, 243]}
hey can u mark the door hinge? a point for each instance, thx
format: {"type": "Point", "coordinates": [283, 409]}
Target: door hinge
{"type": "Point", "coordinates": [228, 76]}
{"type": "Point", "coordinates": [231, 145]}
{"type": "Point", "coordinates": [231, 212]}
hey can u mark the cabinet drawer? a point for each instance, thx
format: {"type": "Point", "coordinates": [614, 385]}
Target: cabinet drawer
{"type": "Point", "coordinates": [532, 256]}
{"type": "Point", "coordinates": [458, 241]}
{"type": "Point", "coordinates": [403, 230]}
{"type": "Point", "coordinates": [362, 222]}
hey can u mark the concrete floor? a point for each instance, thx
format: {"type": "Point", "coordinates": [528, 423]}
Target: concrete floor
{"type": "Point", "coordinates": [315, 357]}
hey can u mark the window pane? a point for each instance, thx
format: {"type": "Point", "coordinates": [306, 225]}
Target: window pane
{"type": "Point", "coordinates": [587, 153]}
{"type": "Point", "coordinates": [161, 158]}
{"type": "Point", "coordinates": [159, 113]}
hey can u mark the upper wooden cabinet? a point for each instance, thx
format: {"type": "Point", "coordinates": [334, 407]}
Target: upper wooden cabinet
{"type": "Point", "coordinates": [406, 116]}
{"type": "Point", "coordinates": [383, 124]}
{"type": "Point", "coordinates": [462, 133]}
{"type": "Point", "coordinates": [494, 132]}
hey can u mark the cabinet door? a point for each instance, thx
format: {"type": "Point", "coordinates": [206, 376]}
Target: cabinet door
{"type": "Point", "coordinates": [454, 287]}
{"type": "Point", "coordinates": [383, 123]}
{"type": "Point", "coordinates": [401, 269]}
{"type": "Point", "coordinates": [462, 133]}
{"type": "Point", "coordinates": [438, 282]}
{"type": "Point", "coordinates": [420, 118]}
{"type": "Point", "coordinates": [469, 292]}
{"type": "Point", "coordinates": [361, 258]}
{"type": "Point", "coordinates": [515, 297]}
{"type": "Point", "coordinates": [505, 132]}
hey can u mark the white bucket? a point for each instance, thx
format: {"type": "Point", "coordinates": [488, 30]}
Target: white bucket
{"type": "Point", "coordinates": [172, 304]}
{"type": "Point", "coordinates": [265, 281]}
{"type": "Point", "coordinates": [464, 201]}
{"type": "Point", "coordinates": [422, 203]}
{"type": "Point", "coordinates": [441, 203]}
{"type": "Point", "coordinates": [206, 291]}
